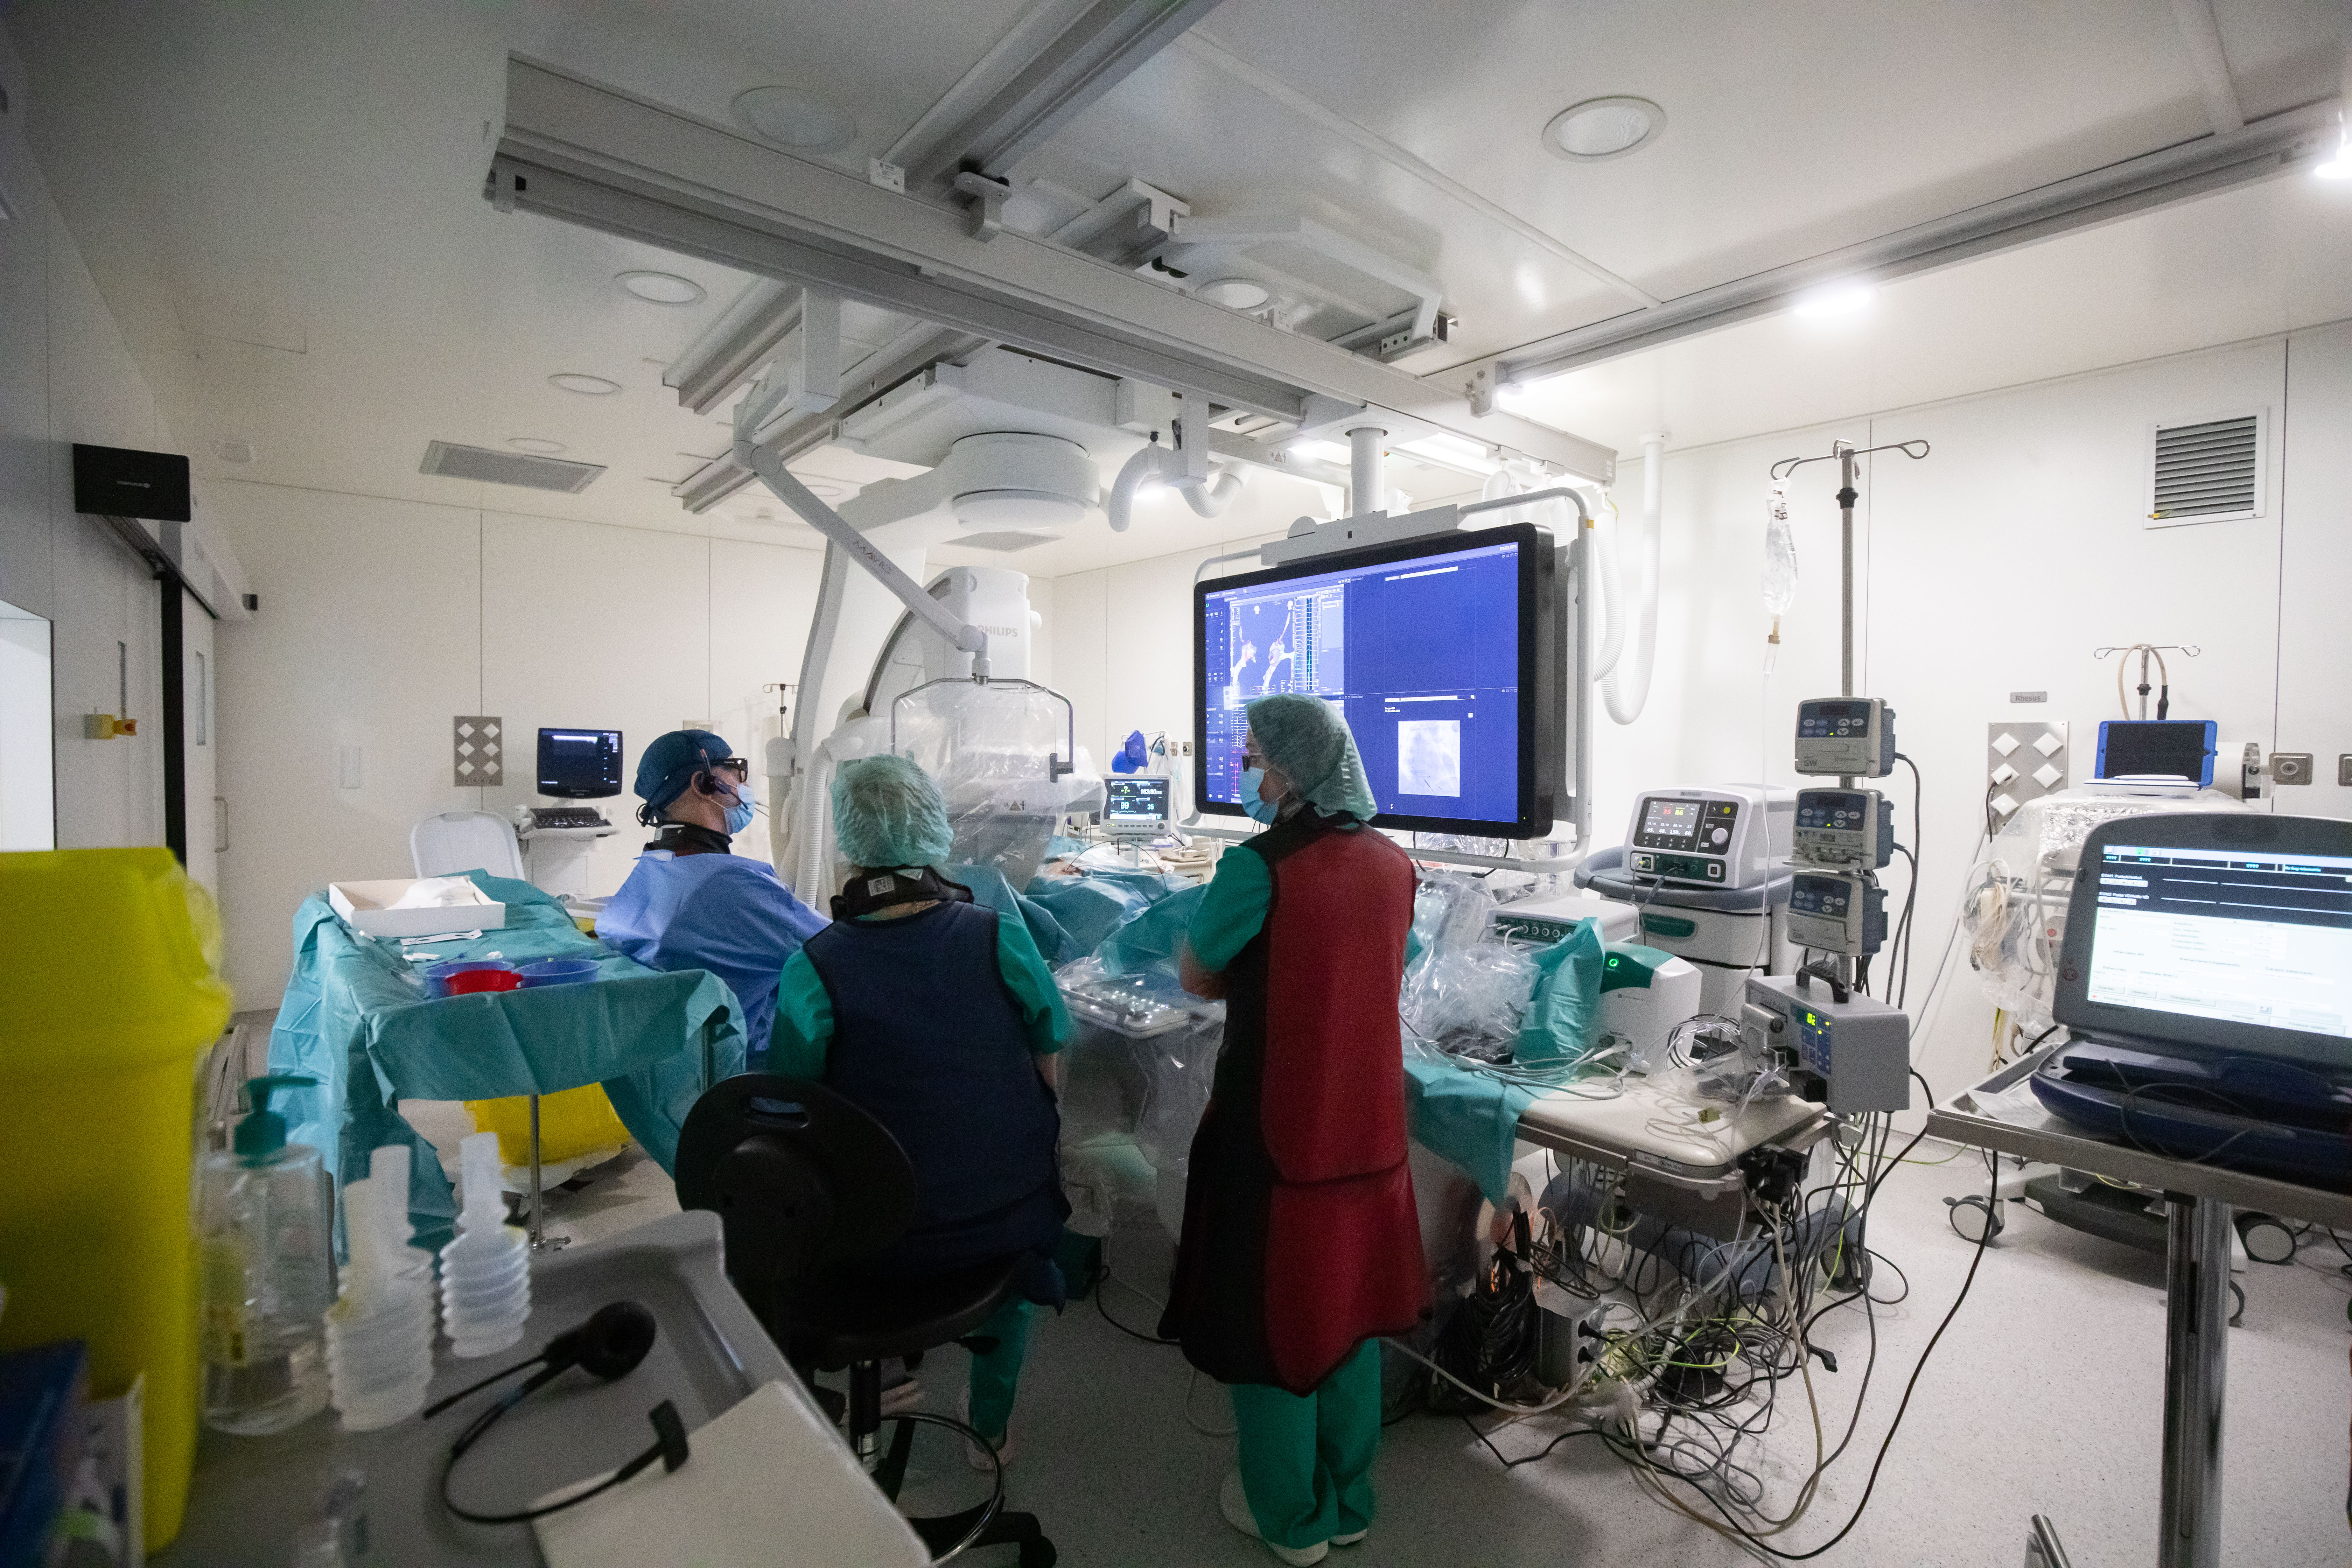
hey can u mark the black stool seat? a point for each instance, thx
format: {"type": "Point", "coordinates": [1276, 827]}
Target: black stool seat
{"type": "Point", "coordinates": [847, 1315]}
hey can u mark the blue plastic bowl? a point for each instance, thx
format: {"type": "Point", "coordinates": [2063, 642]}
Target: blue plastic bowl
{"type": "Point", "coordinates": [559, 972]}
{"type": "Point", "coordinates": [436, 979]}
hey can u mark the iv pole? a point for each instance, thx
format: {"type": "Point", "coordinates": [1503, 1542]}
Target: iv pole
{"type": "Point", "coordinates": [1845, 452]}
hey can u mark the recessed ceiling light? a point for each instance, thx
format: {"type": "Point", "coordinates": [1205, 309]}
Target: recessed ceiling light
{"type": "Point", "coordinates": [1235, 293]}
{"type": "Point", "coordinates": [824, 490]}
{"type": "Point", "coordinates": [586, 385]}
{"type": "Point", "coordinates": [1837, 299]}
{"type": "Point", "coordinates": [2340, 167]}
{"type": "Point", "coordinates": [790, 117]}
{"type": "Point", "coordinates": [661, 287]}
{"type": "Point", "coordinates": [1599, 129]}
{"type": "Point", "coordinates": [539, 444]}
{"type": "Point", "coordinates": [1322, 451]}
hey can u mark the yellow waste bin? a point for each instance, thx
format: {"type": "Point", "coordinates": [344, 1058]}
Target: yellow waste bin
{"type": "Point", "coordinates": [113, 998]}
{"type": "Point", "coordinates": [573, 1123]}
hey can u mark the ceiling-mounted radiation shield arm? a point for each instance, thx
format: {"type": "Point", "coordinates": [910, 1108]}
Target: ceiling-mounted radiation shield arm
{"type": "Point", "coordinates": [769, 463]}
{"type": "Point", "coordinates": [1056, 767]}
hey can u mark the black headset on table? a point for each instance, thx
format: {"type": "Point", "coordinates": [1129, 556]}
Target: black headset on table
{"type": "Point", "coordinates": [609, 1345]}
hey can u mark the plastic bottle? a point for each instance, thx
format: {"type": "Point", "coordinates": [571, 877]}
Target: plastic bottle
{"type": "Point", "coordinates": [485, 1272]}
{"type": "Point", "coordinates": [388, 1168]}
{"type": "Point", "coordinates": [379, 1333]}
{"type": "Point", "coordinates": [266, 1233]}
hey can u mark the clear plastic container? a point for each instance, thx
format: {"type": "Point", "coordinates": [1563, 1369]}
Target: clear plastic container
{"type": "Point", "coordinates": [379, 1333]}
{"type": "Point", "coordinates": [485, 1272]}
{"type": "Point", "coordinates": [267, 1237]}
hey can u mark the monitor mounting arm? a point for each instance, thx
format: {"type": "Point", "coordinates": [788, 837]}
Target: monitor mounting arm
{"type": "Point", "coordinates": [764, 459]}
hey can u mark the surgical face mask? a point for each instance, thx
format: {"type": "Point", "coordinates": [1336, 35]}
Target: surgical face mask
{"type": "Point", "coordinates": [739, 812]}
{"type": "Point", "coordinates": [1259, 810]}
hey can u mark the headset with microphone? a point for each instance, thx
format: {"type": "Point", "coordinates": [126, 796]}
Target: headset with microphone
{"type": "Point", "coordinates": [610, 1344]}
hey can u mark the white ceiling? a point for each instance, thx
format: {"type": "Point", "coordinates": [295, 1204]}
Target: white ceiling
{"type": "Point", "coordinates": [244, 176]}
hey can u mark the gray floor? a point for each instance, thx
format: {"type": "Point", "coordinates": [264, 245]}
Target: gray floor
{"type": "Point", "coordinates": [2045, 1395]}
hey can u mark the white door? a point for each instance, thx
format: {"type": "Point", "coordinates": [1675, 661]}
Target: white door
{"type": "Point", "coordinates": [201, 744]}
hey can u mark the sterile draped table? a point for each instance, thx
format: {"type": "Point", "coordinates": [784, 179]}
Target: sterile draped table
{"type": "Point", "coordinates": [352, 1020]}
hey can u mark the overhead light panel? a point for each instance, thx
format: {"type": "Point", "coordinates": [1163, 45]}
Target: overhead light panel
{"type": "Point", "coordinates": [1451, 451]}
{"type": "Point", "coordinates": [1235, 293]}
{"type": "Point", "coordinates": [662, 287]}
{"type": "Point", "coordinates": [2339, 167]}
{"type": "Point", "coordinates": [1837, 299]}
{"type": "Point", "coordinates": [792, 117]}
{"type": "Point", "coordinates": [586, 386]}
{"type": "Point", "coordinates": [1322, 451]}
{"type": "Point", "coordinates": [1600, 129]}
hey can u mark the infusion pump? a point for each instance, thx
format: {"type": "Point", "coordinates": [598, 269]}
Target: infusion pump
{"type": "Point", "coordinates": [1728, 836]}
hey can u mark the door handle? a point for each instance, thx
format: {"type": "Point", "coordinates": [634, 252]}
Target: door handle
{"type": "Point", "coordinates": [220, 825]}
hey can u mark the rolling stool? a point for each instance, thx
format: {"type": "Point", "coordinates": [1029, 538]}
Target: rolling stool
{"type": "Point", "coordinates": [806, 1185]}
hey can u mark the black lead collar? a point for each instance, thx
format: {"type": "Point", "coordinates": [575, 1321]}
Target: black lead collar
{"type": "Point", "coordinates": [691, 839]}
{"type": "Point", "coordinates": [881, 889]}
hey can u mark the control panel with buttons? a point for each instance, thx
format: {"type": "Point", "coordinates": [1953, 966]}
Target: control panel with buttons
{"type": "Point", "coordinates": [1851, 736]}
{"type": "Point", "coordinates": [1726, 836]}
{"type": "Point", "coordinates": [1843, 828]}
{"type": "Point", "coordinates": [1837, 911]}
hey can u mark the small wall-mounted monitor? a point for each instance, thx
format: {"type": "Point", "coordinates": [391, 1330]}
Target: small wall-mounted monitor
{"type": "Point", "coordinates": [580, 764]}
{"type": "Point", "coordinates": [1445, 654]}
{"type": "Point", "coordinates": [2157, 748]}
{"type": "Point", "coordinates": [1135, 807]}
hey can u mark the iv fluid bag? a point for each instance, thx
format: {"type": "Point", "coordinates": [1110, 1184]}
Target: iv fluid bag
{"type": "Point", "coordinates": [1779, 553]}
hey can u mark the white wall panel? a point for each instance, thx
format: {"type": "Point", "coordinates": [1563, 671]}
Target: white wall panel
{"type": "Point", "coordinates": [760, 599]}
{"type": "Point", "coordinates": [2315, 650]}
{"type": "Point", "coordinates": [602, 627]}
{"type": "Point", "coordinates": [370, 635]}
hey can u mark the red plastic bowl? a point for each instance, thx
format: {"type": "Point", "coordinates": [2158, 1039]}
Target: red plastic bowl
{"type": "Point", "coordinates": [473, 980]}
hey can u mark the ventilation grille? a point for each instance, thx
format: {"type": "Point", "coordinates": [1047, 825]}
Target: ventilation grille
{"type": "Point", "coordinates": [452, 461]}
{"type": "Point", "coordinates": [1002, 544]}
{"type": "Point", "coordinates": [2208, 470]}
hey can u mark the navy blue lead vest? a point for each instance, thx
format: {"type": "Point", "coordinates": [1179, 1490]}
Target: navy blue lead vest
{"type": "Point", "coordinates": [930, 1040]}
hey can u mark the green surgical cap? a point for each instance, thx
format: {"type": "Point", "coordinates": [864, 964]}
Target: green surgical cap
{"type": "Point", "coordinates": [886, 812]}
{"type": "Point", "coordinates": [1306, 741]}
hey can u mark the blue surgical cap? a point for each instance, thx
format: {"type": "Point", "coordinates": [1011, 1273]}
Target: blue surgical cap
{"type": "Point", "coordinates": [671, 761]}
{"type": "Point", "coordinates": [1305, 740]}
{"type": "Point", "coordinates": [887, 813]}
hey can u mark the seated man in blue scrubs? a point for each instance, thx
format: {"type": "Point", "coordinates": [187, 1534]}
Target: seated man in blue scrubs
{"type": "Point", "coordinates": [939, 1018]}
{"type": "Point", "coordinates": [691, 903]}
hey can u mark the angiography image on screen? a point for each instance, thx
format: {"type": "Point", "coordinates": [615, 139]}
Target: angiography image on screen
{"type": "Point", "coordinates": [1419, 655]}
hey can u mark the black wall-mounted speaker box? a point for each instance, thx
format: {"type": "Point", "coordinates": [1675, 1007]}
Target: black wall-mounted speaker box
{"type": "Point", "coordinates": [115, 481]}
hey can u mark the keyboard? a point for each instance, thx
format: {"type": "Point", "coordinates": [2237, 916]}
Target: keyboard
{"type": "Point", "coordinates": [543, 817]}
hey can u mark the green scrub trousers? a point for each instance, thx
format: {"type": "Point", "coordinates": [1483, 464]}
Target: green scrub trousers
{"type": "Point", "coordinates": [1307, 1460]}
{"type": "Point", "coordinates": [995, 1375]}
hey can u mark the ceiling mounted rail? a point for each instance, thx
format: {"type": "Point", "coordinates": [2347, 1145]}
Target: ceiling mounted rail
{"type": "Point", "coordinates": [607, 160]}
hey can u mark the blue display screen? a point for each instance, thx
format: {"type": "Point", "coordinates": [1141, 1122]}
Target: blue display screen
{"type": "Point", "coordinates": [1421, 656]}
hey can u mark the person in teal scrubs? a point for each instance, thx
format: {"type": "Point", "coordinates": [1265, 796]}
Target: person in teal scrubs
{"type": "Point", "coordinates": [938, 1017]}
{"type": "Point", "coordinates": [1301, 1244]}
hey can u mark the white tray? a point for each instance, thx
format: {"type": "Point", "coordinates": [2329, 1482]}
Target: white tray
{"type": "Point", "coordinates": [364, 907]}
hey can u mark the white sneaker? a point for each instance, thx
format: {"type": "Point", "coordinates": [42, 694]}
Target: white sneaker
{"type": "Point", "coordinates": [973, 1454]}
{"type": "Point", "coordinates": [1351, 1538]}
{"type": "Point", "coordinates": [1232, 1500]}
{"type": "Point", "coordinates": [902, 1397]}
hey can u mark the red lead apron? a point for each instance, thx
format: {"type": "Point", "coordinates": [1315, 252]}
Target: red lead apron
{"type": "Point", "coordinates": [1300, 1237]}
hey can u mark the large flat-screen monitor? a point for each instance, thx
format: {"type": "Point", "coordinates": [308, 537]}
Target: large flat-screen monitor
{"type": "Point", "coordinates": [580, 764]}
{"type": "Point", "coordinates": [1446, 656]}
{"type": "Point", "coordinates": [2223, 932]}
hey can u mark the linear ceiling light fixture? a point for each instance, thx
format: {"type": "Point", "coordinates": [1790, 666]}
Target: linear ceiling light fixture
{"type": "Point", "coordinates": [1837, 299]}
{"type": "Point", "coordinates": [2274, 145]}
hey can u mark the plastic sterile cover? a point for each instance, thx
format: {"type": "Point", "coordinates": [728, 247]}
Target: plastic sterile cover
{"type": "Point", "coordinates": [1466, 993]}
{"type": "Point", "coordinates": [993, 750]}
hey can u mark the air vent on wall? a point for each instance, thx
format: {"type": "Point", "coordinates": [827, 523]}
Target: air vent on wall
{"type": "Point", "coordinates": [2208, 472]}
{"type": "Point", "coordinates": [452, 461]}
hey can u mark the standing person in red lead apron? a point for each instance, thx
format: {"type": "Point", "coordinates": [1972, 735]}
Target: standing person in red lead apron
{"type": "Point", "coordinates": [1300, 1241]}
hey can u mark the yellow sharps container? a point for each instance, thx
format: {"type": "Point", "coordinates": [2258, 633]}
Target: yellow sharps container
{"type": "Point", "coordinates": [113, 999]}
